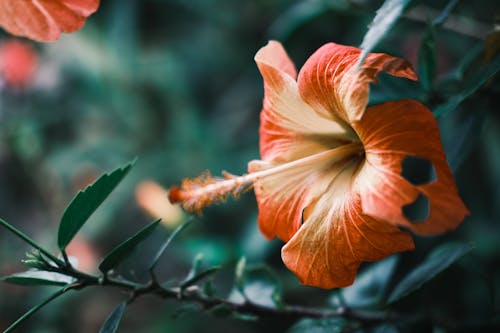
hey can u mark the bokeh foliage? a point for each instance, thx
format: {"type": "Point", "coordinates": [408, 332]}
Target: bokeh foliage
{"type": "Point", "coordinates": [174, 83]}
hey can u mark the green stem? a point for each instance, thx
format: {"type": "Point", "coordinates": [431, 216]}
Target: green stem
{"type": "Point", "coordinates": [65, 257]}
{"type": "Point", "coordinates": [194, 295]}
{"type": "Point", "coordinates": [247, 307]}
{"type": "Point", "coordinates": [33, 310]}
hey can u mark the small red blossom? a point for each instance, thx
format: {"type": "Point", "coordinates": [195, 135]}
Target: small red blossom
{"type": "Point", "coordinates": [18, 63]}
{"type": "Point", "coordinates": [329, 182]}
{"type": "Point", "coordinates": [44, 20]}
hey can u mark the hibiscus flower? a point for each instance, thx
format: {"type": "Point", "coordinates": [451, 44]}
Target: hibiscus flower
{"type": "Point", "coordinates": [329, 182]}
{"type": "Point", "coordinates": [44, 20]}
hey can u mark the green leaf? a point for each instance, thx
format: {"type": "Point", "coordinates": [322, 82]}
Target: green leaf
{"type": "Point", "coordinates": [245, 316]}
{"type": "Point", "coordinates": [35, 309]}
{"type": "Point", "coordinates": [124, 249]}
{"type": "Point", "coordinates": [185, 310]}
{"type": "Point", "coordinates": [427, 57]}
{"type": "Point", "coordinates": [239, 282]}
{"type": "Point", "coordinates": [370, 286]}
{"type": "Point", "coordinates": [386, 17]}
{"type": "Point", "coordinates": [86, 202]}
{"type": "Point", "coordinates": [457, 74]}
{"type": "Point", "coordinates": [200, 276]}
{"type": "Point", "coordinates": [327, 325]}
{"type": "Point", "coordinates": [35, 259]}
{"type": "Point", "coordinates": [37, 278]}
{"type": "Point", "coordinates": [167, 242]}
{"type": "Point", "coordinates": [209, 288]}
{"type": "Point", "coordinates": [427, 53]}
{"type": "Point", "coordinates": [438, 261]}
{"type": "Point", "coordinates": [462, 136]}
{"type": "Point", "coordinates": [30, 241]}
{"type": "Point", "coordinates": [112, 322]}
{"type": "Point", "coordinates": [221, 311]}
{"type": "Point", "coordinates": [470, 87]}
{"type": "Point", "coordinates": [445, 13]}
{"type": "Point", "coordinates": [196, 267]}
{"type": "Point", "coordinates": [261, 286]}
{"type": "Point", "coordinates": [196, 274]}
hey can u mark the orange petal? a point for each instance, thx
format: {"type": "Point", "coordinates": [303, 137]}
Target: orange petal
{"type": "Point", "coordinates": [390, 132]}
{"type": "Point", "coordinates": [283, 196]}
{"type": "Point", "coordinates": [332, 83]}
{"type": "Point", "coordinates": [336, 237]}
{"type": "Point", "coordinates": [291, 129]}
{"type": "Point", "coordinates": [44, 20]}
{"type": "Point", "coordinates": [275, 56]}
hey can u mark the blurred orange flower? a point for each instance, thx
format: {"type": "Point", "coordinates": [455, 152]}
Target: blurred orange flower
{"type": "Point", "coordinates": [330, 180]}
{"type": "Point", "coordinates": [44, 20]}
{"type": "Point", "coordinates": [18, 63]}
{"type": "Point", "coordinates": [153, 199]}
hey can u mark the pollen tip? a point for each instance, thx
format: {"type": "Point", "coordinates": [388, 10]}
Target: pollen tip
{"type": "Point", "coordinates": [174, 195]}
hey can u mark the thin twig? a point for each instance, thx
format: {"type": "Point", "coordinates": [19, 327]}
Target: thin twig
{"type": "Point", "coordinates": [457, 23]}
{"type": "Point", "coordinates": [193, 295]}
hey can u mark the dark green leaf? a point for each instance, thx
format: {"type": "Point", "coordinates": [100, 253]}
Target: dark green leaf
{"type": "Point", "coordinates": [35, 259]}
{"type": "Point", "coordinates": [445, 13]}
{"type": "Point", "coordinates": [261, 286]}
{"type": "Point", "coordinates": [196, 274]}
{"type": "Point", "coordinates": [439, 260]}
{"type": "Point", "coordinates": [470, 87]}
{"type": "Point", "coordinates": [239, 282]}
{"type": "Point", "coordinates": [112, 322]}
{"type": "Point", "coordinates": [386, 17]}
{"type": "Point", "coordinates": [30, 241]}
{"type": "Point", "coordinates": [462, 135]}
{"type": "Point", "coordinates": [35, 264]}
{"type": "Point", "coordinates": [427, 58]}
{"type": "Point", "coordinates": [245, 316]}
{"type": "Point", "coordinates": [465, 64]}
{"type": "Point", "coordinates": [221, 311]}
{"type": "Point", "coordinates": [167, 242]}
{"type": "Point", "coordinates": [200, 276]}
{"type": "Point", "coordinates": [86, 202]}
{"type": "Point", "coordinates": [209, 288]}
{"type": "Point", "coordinates": [301, 13]}
{"type": "Point", "coordinates": [328, 325]}
{"type": "Point", "coordinates": [391, 88]}
{"type": "Point", "coordinates": [188, 309]}
{"type": "Point", "coordinates": [34, 309]}
{"type": "Point", "coordinates": [124, 249]}
{"type": "Point", "coordinates": [196, 268]}
{"type": "Point", "coordinates": [371, 285]}
{"type": "Point", "coordinates": [37, 278]}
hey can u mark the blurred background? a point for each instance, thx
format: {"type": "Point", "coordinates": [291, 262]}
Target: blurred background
{"type": "Point", "coordinates": [174, 83]}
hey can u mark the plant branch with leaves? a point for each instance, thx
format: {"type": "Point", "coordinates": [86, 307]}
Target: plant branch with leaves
{"type": "Point", "coordinates": [48, 269]}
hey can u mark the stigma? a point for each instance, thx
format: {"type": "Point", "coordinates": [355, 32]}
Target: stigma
{"type": "Point", "coordinates": [197, 193]}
